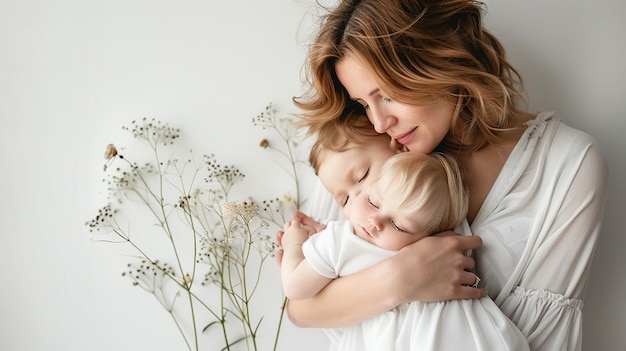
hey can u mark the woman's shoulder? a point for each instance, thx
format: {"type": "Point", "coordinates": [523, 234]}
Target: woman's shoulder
{"type": "Point", "coordinates": [567, 144]}
{"type": "Point", "coordinates": [559, 133]}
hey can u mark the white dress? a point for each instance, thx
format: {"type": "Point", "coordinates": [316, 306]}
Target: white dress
{"type": "Point", "coordinates": [443, 326]}
{"type": "Point", "coordinates": [540, 225]}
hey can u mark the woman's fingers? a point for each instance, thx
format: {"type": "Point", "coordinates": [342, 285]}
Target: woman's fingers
{"type": "Point", "coordinates": [435, 268]}
{"type": "Point", "coordinates": [469, 292]}
{"type": "Point", "coordinates": [471, 279]}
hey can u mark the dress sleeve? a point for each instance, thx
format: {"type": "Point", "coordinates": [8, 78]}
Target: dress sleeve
{"type": "Point", "coordinates": [545, 300]}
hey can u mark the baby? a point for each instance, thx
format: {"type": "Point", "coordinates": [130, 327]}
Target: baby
{"type": "Point", "coordinates": [390, 199]}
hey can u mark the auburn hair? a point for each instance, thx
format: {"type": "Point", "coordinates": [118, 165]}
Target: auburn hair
{"type": "Point", "coordinates": [421, 52]}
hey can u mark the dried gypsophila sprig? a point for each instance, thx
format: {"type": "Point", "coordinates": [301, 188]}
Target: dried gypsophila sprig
{"type": "Point", "coordinates": [133, 181]}
{"type": "Point", "coordinates": [246, 211]}
{"type": "Point", "coordinates": [153, 131]}
{"type": "Point", "coordinates": [278, 208]}
{"type": "Point", "coordinates": [284, 126]}
{"type": "Point", "coordinates": [225, 176]}
{"type": "Point", "coordinates": [291, 137]}
{"type": "Point", "coordinates": [104, 215]}
{"type": "Point", "coordinates": [221, 238]}
{"type": "Point", "coordinates": [243, 214]}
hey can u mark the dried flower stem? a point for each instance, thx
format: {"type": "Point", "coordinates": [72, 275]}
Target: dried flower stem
{"type": "Point", "coordinates": [223, 237]}
{"type": "Point", "coordinates": [290, 137]}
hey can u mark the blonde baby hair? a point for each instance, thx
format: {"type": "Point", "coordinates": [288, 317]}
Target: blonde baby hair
{"type": "Point", "coordinates": [429, 185]}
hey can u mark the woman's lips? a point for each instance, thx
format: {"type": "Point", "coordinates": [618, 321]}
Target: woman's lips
{"type": "Point", "coordinates": [405, 138]}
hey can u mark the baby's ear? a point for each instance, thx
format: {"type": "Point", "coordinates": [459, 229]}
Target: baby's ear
{"type": "Point", "coordinates": [396, 145]}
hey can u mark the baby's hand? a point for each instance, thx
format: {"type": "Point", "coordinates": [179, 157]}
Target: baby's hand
{"type": "Point", "coordinates": [294, 233]}
{"type": "Point", "coordinates": [308, 223]}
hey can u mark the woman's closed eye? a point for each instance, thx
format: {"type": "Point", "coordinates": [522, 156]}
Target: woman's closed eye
{"type": "Point", "coordinates": [383, 99]}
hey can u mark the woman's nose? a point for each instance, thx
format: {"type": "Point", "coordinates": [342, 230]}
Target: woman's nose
{"type": "Point", "coordinates": [380, 119]}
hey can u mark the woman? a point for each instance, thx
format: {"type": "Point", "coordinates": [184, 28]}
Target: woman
{"type": "Point", "coordinates": [428, 74]}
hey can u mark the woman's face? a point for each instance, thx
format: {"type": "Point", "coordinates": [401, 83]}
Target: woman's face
{"type": "Point", "coordinates": [419, 128]}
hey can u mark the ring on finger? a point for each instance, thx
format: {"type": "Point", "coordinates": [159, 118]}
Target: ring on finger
{"type": "Point", "coordinates": [476, 281]}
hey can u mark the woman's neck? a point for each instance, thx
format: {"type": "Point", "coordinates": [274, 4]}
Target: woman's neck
{"type": "Point", "coordinates": [483, 167]}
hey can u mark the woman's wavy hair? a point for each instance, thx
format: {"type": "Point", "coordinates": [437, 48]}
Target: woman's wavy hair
{"type": "Point", "coordinates": [422, 52]}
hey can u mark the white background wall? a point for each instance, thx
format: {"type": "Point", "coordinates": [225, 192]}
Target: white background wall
{"type": "Point", "coordinates": [72, 72]}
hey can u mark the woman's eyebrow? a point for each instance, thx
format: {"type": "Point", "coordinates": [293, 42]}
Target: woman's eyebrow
{"type": "Point", "coordinates": [376, 90]}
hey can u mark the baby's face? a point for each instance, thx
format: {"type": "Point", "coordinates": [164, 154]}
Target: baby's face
{"type": "Point", "coordinates": [349, 177]}
{"type": "Point", "coordinates": [377, 218]}
{"type": "Point", "coordinates": [344, 174]}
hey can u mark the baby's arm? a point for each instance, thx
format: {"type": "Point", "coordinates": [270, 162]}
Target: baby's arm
{"type": "Point", "coordinates": [300, 280]}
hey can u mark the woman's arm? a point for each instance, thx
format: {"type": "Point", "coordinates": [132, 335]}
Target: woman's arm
{"type": "Point", "coordinates": [432, 269]}
{"type": "Point", "coordinates": [547, 298]}
{"type": "Point", "coordinates": [300, 280]}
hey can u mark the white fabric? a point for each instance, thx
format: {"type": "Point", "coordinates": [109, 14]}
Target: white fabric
{"type": "Point", "coordinates": [322, 206]}
{"type": "Point", "coordinates": [539, 225]}
{"type": "Point", "coordinates": [443, 326]}
{"type": "Point", "coordinates": [336, 251]}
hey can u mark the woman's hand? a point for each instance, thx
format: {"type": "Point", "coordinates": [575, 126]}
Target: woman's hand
{"type": "Point", "coordinates": [435, 268]}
